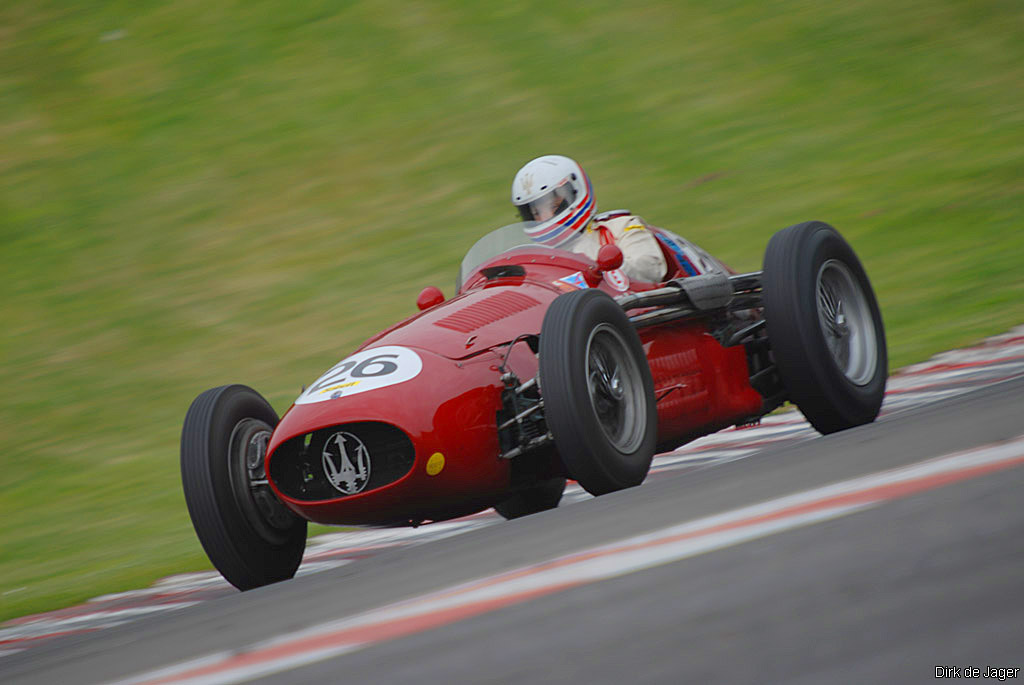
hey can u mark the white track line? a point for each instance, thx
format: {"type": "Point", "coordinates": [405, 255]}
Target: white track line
{"type": "Point", "coordinates": [89, 621]}
{"type": "Point", "coordinates": [581, 568]}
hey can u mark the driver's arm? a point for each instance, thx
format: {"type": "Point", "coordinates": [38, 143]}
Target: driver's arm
{"type": "Point", "coordinates": [642, 258]}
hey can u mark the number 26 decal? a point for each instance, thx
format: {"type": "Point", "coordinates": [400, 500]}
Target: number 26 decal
{"type": "Point", "coordinates": [370, 369]}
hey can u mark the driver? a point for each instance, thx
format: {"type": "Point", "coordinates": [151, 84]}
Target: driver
{"type": "Point", "coordinates": [555, 192]}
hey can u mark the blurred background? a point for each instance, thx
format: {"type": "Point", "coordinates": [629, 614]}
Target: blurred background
{"type": "Point", "coordinates": [194, 194]}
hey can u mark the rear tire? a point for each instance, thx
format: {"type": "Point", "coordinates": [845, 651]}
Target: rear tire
{"type": "Point", "coordinates": [598, 392]}
{"type": "Point", "coordinates": [824, 327]}
{"type": "Point", "coordinates": [248, 534]}
{"type": "Point", "coordinates": [538, 497]}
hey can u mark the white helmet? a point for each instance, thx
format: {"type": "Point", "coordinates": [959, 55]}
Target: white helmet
{"type": "Point", "coordinates": [554, 192]}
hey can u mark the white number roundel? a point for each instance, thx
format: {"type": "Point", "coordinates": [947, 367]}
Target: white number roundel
{"type": "Point", "coordinates": [370, 369]}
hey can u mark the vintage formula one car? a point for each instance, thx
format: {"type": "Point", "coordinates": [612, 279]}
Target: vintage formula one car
{"type": "Point", "coordinates": [544, 366]}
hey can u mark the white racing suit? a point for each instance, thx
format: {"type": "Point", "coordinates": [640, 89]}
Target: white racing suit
{"type": "Point", "coordinates": [642, 258]}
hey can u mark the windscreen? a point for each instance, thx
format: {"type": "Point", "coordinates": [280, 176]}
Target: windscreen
{"type": "Point", "coordinates": [493, 244]}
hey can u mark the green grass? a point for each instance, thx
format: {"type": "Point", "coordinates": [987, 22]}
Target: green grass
{"type": "Point", "coordinates": [192, 195]}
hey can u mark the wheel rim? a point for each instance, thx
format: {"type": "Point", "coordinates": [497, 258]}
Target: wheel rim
{"type": "Point", "coordinates": [615, 389]}
{"type": "Point", "coordinates": [247, 456]}
{"type": "Point", "coordinates": [846, 322]}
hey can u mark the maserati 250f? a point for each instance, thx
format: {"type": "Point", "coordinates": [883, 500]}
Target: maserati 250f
{"type": "Point", "coordinates": [543, 366]}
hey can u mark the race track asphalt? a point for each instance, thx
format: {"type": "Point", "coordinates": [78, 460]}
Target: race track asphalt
{"type": "Point", "coordinates": [887, 593]}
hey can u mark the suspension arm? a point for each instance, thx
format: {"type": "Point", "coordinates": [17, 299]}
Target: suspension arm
{"type": "Point", "coordinates": [693, 297]}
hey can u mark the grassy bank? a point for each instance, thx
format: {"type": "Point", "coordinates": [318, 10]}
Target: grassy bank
{"type": "Point", "coordinates": [193, 196]}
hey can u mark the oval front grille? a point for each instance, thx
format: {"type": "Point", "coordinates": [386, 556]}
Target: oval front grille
{"type": "Point", "coordinates": [341, 460]}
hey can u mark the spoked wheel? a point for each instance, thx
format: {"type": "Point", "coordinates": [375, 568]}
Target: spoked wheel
{"type": "Point", "coordinates": [824, 326]}
{"type": "Point", "coordinates": [615, 395]}
{"type": "Point", "coordinates": [598, 392]}
{"type": "Point", "coordinates": [847, 322]}
{"type": "Point", "coordinates": [248, 534]}
{"type": "Point", "coordinates": [538, 497]}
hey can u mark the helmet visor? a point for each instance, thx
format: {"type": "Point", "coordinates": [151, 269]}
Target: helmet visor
{"type": "Point", "coordinates": [550, 204]}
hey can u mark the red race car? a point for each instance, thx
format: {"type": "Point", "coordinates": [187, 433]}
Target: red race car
{"type": "Point", "coordinates": [544, 366]}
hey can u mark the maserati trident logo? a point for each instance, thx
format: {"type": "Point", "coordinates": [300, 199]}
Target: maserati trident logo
{"type": "Point", "coordinates": [346, 463]}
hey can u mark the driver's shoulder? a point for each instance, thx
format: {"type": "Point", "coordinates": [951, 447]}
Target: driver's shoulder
{"type": "Point", "coordinates": [620, 220]}
{"type": "Point", "coordinates": [612, 214]}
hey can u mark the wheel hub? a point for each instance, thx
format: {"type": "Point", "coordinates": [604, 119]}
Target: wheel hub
{"type": "Point", "coordinates": [617, 402]}
{"type": "Point", "coordinates": [248, 451]}
{"type": "Point", "coordinates": [846, 322]}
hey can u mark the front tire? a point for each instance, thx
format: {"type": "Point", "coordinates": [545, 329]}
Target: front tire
{"type": "Point", "coordinates": [248, 534]}
{"type": "Point", "coordinates": [824, 327]}
{"type": "Point", "coordinates": [598, 392]}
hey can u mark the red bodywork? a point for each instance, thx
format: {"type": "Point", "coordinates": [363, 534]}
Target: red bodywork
{"type": "Point", "coordinates": [450, 407]}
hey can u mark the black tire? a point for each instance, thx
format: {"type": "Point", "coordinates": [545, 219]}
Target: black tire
{"type": "Point", "coordinates": [824, 327]}
{"type": "Point", "coordinates": [539, 497]}
{"type": "Point", "coordinates": [605, 434]}
{"type": "Point", "coordinates": [248, 534]}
